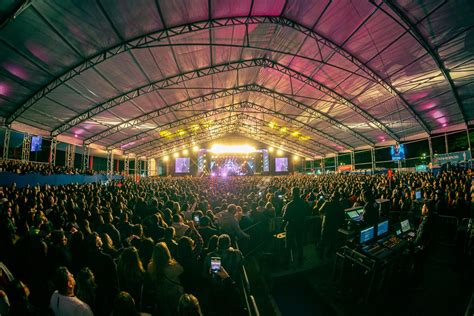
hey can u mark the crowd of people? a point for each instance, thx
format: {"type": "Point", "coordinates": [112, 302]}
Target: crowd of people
{"type": "Point", "coordinates": [148, 246]}
{"type": "Point", "coordinates": [27, 167]}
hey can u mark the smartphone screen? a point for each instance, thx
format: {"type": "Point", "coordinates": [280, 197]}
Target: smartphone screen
{"type": "Point", "coordinates": [196, 219]}
{"type": "Point", "coordinates": [215, 264]}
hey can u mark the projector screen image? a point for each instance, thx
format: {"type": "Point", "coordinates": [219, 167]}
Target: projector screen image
{"type": "Point", "coordinates": [36, 142]}
{"type": "Point", "coordinates": [281, 164]}
{"type": "Point", "coordinates": [398, 152]}
{"type": "Point", "coordinates": [182, 165]}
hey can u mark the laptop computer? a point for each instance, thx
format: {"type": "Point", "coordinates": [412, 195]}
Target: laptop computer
{"type": "Point", "coordinates": [354, 216]}
{"type": "Point", "coordinates": [354, 213]}
{"type": "Point", "coordinates": [406, 228]}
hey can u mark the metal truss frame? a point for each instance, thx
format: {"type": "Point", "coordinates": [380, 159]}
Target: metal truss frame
{"type": "Point", "coordinates": [136, 172]}
{"type": "Point", "coordinates": [26, 147]}
{"type": "Point", "coordinates": [217, 124]}
{"type": "Point", "coordinates": [205, 98]}
{"type": "Point", "coordinates": [418, 36]}
{"type": "Point", "coordinates": [257, 126]}
{"type": "Point", "coordinates": [225, 93]}
{"type": "Point", "coordinates": [52, 151]}
{"type": "Point", "coordinates": [6, 143]}
{"type": "Point", "coordinates": [85, 157]}
{"type": "Point", "coordinates": [17, 8]}
{"type": "Point", "coordinates": [270, 139]}
{"type": "Point", "coordinates": [219, 133]}
{"type": "Point", "coordinates": [151, 87]}
{"type": "Point", "coordinates": [187, 120]}
{"type": "Point", "coordinates": [262, 62]}
{"type": "Point", "coordinates": [239, 119]}
{"type": "Point", "coordinates": [159, 36]}
{"type": "Point", "coordinates": [110, 164]}
{"type": "Point", "coordinates": [126, 165]}
{"type": "Point", "coordinates": [231, 108]}
{"type": "Point", "coordinates": [70, 155]}
{"type": "Point", "coordinates": [239, 129]}
{"type": "Point", "coordinates": [220, 94]}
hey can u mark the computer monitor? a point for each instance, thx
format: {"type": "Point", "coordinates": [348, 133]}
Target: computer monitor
{"type": "Point", "coordinates": [353, 215]}
{"type": "Point", "coordinates": [418, 195]}
{"type": "Point", "coordinates": [366, 234]}
{"type": "Point", "coordinates": [405, 225]}
{"type": "Point", "coordinates": [358, 209]}
{"type": "Point", "coordinates": [382, 228]}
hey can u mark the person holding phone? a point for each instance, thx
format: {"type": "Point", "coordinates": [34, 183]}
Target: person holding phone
{"type": "Point", "coordinates": [216, 264]}
{"type": "Point", "coordinates": [224, 256]}
{"type": "Point", "coordinates": [224, 292]}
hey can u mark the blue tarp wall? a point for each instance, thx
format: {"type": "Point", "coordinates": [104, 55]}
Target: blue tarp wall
{"type": "Point", "coordinates": [32, 179]}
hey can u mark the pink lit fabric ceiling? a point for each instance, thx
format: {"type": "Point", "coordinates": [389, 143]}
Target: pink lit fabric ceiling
{"type": "Point", "coordinates": [316, 76]}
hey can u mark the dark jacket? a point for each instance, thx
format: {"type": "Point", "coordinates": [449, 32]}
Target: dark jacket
{"type": "Point", "coordinates": [295, 214]}
{"type": "Point", "coordinates": [371, 214]}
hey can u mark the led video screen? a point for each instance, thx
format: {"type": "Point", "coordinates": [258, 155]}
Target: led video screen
{"type": "Point", "coordinates": [281, 164]}
{"type": "Point", "coordinates": [36, 142]}
{"type": "Point", "coordinates": [398, 152]}
{"type": "Point", "coordinates": [182, 165]}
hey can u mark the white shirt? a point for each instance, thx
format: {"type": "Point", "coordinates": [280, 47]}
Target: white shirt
{"type": "Point", "coordinates": [68, 306]}
{"type": "Point", "coordinates": [180, 229]}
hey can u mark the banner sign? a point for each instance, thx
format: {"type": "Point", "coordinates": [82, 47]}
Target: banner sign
{"type": "Point", "coordinates": [344, 168]}
{"type": "Point", "coordinates": [453, 158]}
{"type": "Point", "coordinates": [421, 168]}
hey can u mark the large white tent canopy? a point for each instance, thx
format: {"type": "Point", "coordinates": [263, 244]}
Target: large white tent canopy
{"type": "Point", "coordinates": [316, 77]}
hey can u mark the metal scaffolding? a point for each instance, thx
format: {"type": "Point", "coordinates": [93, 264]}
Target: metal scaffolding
{"type": "Point", "coordinates": [136, 168]}
{"type": "Point", "coordinates": [353, 160]}
{"type": "Point", "coordinates": [430, 145]}
{"type": "Point", "coordinates": [85, 157]}
{"type": "Point", "coordinates": [127, 165]}
{"type": "Point", "coordinates": [110, 164]}
{"type": "Point", "coordinates": [372, 158]}
{"type": "Point", "coordinates": [52, 151]}
{"type": "Point", "coordinates": [25, 153]}
{"type": "Point", "coordinates": [145, 167]}
{"type": "Point", "coordinates": [6, 143]}
{"type": "Point", "coordinates": [70, 155]}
